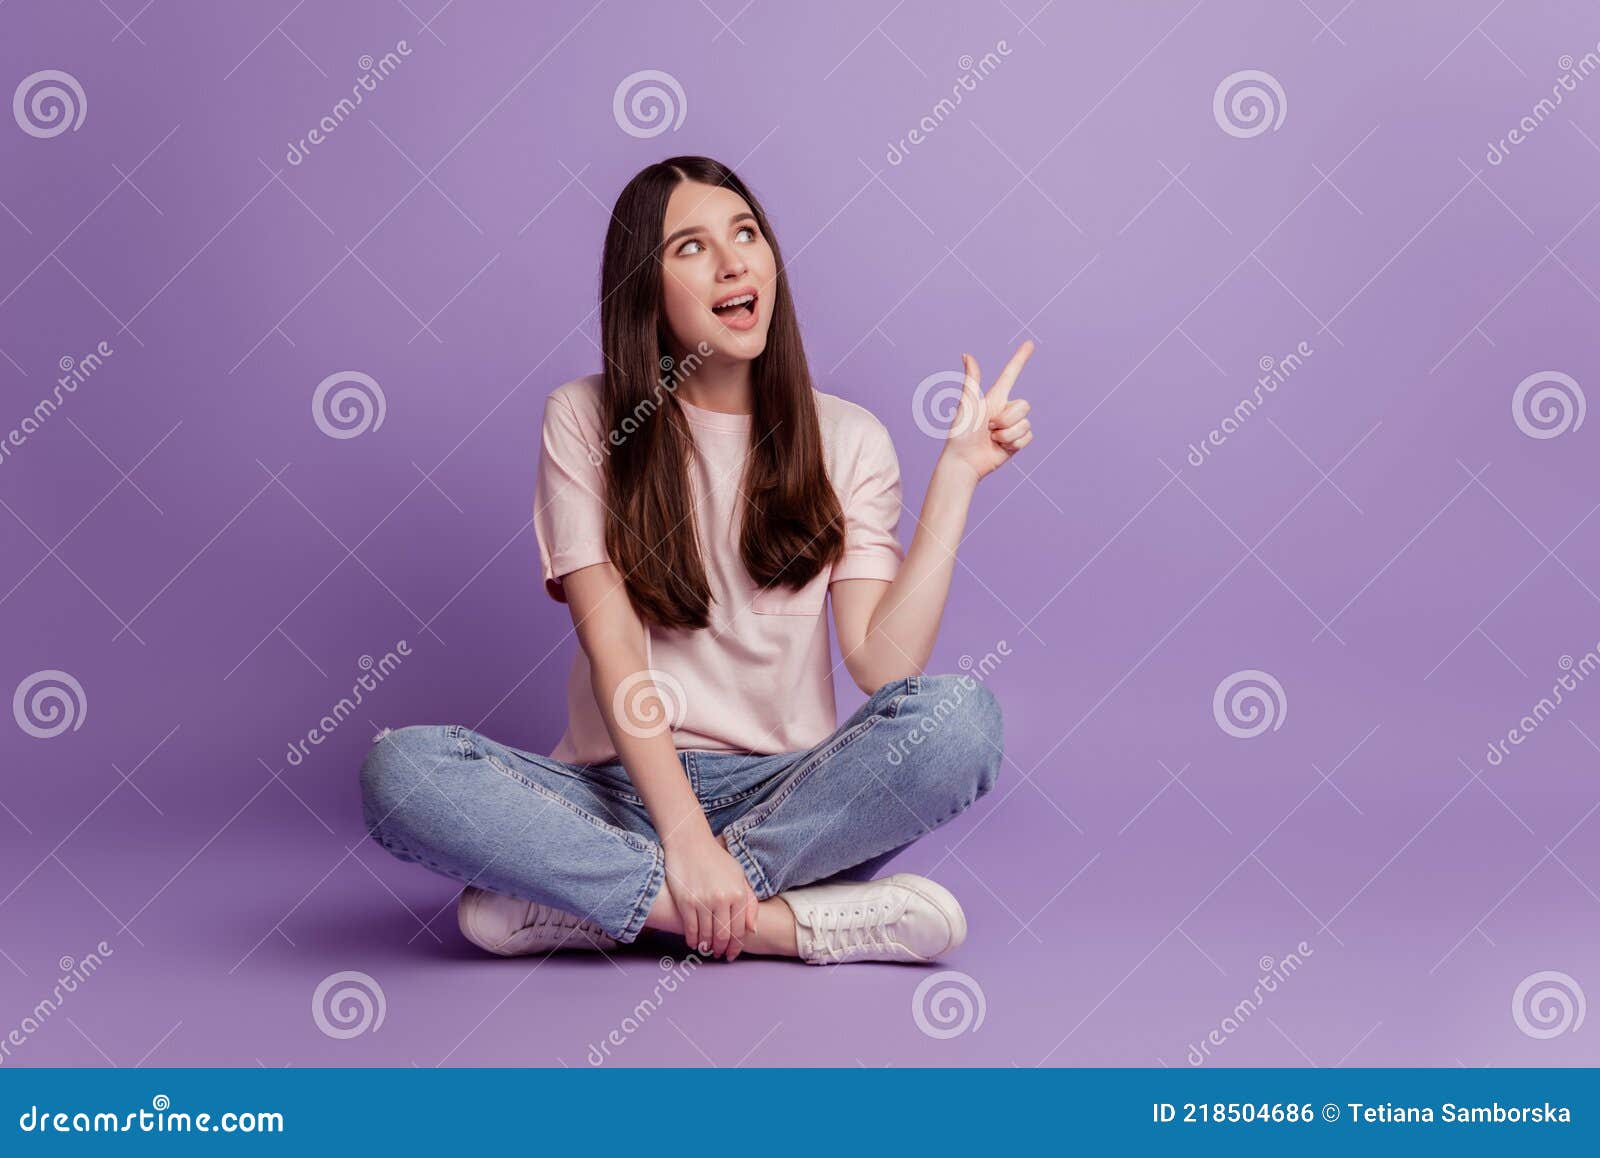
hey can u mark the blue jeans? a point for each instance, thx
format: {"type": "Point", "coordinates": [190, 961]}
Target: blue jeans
{"type": "Point", "coordinates": [578, 837]}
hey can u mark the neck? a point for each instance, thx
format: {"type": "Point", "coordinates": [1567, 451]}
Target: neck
{"type": "Point", "coordinates": [720, 383]}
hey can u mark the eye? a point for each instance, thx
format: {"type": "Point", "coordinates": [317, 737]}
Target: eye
{"type": "Point", "coordinates": [750, 229]}
{"type": "Point", "coordinates": [684, 250]}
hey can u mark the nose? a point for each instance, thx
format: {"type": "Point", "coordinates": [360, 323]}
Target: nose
{"type": "Point", "coordinates": [734, 266]}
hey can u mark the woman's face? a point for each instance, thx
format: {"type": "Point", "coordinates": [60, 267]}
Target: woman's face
{"type": "Point", "coordinates": [714, 253]}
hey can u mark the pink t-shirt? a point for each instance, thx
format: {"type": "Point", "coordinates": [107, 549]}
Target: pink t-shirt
{"type": "Point", "coordinates": [759, 678]}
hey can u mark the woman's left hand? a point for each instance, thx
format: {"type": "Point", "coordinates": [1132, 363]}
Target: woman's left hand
{"type": "Point", "coordinates": [989, 428]}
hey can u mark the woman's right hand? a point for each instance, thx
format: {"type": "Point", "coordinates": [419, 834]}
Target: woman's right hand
{"type": "Point", "coordinates": [714, 900]}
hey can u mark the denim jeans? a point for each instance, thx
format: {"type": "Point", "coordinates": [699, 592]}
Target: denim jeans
{"type": "Point", "coordinates": [578, 837]}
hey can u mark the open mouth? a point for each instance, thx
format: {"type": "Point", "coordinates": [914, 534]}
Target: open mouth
{"type": "Point", "coordinates": [740, 307]}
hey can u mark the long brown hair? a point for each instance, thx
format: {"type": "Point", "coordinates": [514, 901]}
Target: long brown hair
{"type": "Point", "coordinates": [792, 525]}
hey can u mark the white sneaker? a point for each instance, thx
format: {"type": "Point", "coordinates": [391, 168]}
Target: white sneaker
{"type": "Point", "coordinates": [512, 927]}
{"type": "Point", "coordinates": [903, 917]}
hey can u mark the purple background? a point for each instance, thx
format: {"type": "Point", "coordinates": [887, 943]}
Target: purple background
{"type": "Point", "coordinates": [1381, 537]}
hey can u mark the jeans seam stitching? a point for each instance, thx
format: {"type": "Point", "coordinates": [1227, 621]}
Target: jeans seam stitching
{"type": "Point", "coordinates": [743, 825]}
{"type": "Point", "coordinates": [612, 830]}
{"type": "Point", "coordinates": [630, 932]}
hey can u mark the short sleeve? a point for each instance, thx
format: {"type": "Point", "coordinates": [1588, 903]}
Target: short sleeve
{"type": "Point", "coordinates": [569, 511]}
{"type": "Point", "coordinates": [872, 511]}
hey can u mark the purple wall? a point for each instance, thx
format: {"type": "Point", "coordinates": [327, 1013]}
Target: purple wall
{"type": "Point", "coordinates": [1404, 547]}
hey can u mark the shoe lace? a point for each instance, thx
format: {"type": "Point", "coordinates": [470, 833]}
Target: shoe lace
{"type": "Point", "coordinates": [837, 930]}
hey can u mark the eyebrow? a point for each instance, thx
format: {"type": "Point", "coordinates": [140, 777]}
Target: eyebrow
{"type": "Point", "coordinates": [746, 215]}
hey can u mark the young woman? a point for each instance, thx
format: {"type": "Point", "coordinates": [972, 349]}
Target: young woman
{"type": "Point", "coordinates": [697, 504]}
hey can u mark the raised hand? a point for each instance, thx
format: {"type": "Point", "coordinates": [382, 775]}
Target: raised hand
{"type": "Point", "coordinates": [988, 428]}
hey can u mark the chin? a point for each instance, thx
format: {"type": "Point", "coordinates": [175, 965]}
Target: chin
{"type": "Point", "coordinates": [740, 347]}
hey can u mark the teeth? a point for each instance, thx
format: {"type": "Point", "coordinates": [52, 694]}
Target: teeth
{"type": "Point", "coordinates": [743, 299]}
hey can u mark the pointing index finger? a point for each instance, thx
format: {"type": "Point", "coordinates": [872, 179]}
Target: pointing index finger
{"type": "Point", "coordinates": [1001, 392]}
